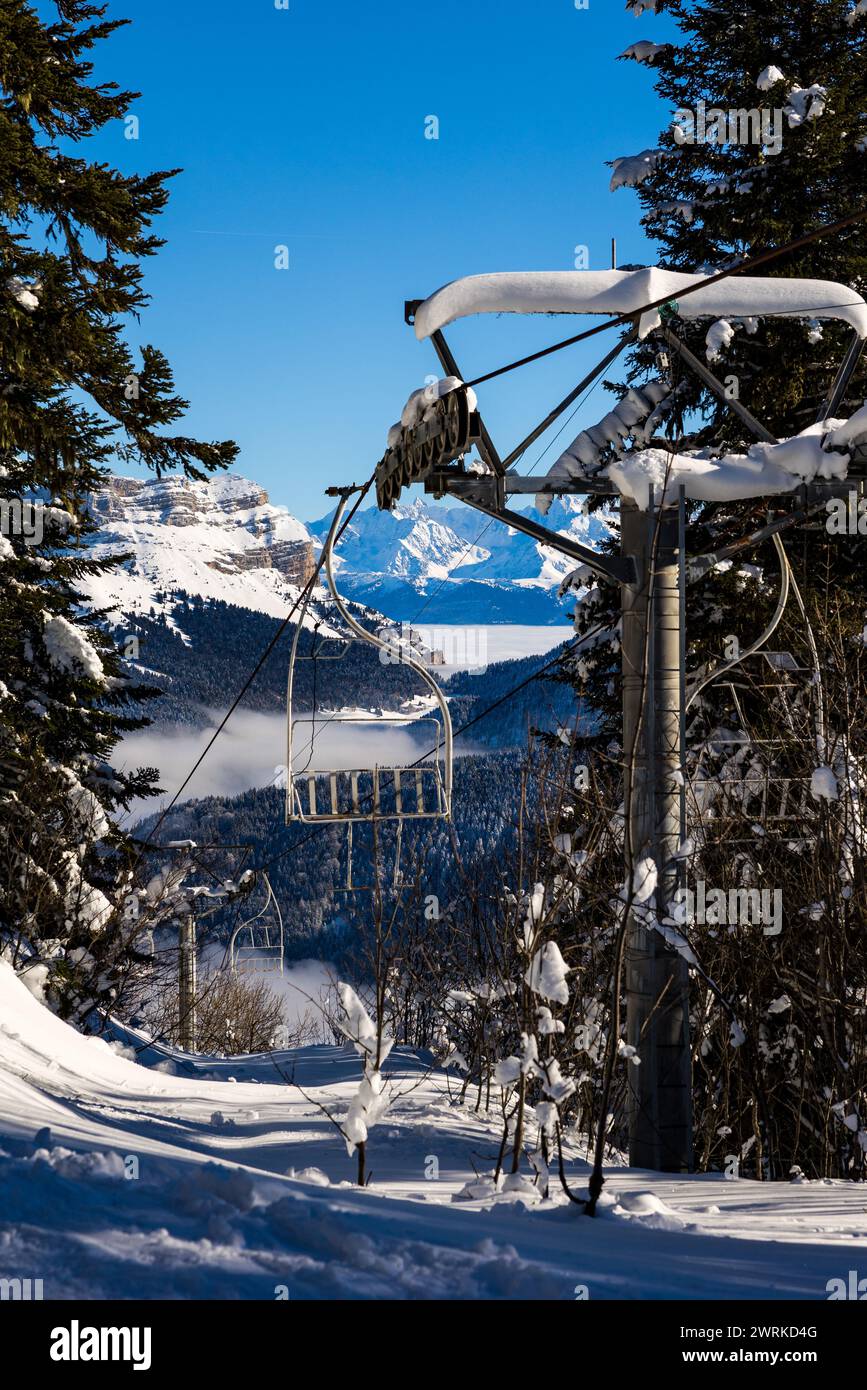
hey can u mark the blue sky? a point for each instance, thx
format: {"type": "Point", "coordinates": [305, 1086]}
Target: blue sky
{"type": "Point", "coordinates": [305, 128]}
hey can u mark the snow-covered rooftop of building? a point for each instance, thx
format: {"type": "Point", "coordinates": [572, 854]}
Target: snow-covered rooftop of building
{"type": "Point", "coordinates": [626, 291]}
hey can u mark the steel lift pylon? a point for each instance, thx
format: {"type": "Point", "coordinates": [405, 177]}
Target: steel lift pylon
{"type": "Point", "coordinates": [652, 572]}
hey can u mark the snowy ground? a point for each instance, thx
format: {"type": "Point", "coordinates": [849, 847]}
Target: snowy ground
{"type": "Point", "coordinates": [244, 1185]}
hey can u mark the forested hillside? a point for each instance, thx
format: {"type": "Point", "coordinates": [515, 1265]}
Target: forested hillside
{"type": "Point", "coordinates": [307, 863]}
{"type": "Point", "coordinates": [199, 657]}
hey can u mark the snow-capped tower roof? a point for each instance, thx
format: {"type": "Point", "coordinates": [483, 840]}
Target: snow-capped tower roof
{"type": "Point", "coordinates": [625, 291]}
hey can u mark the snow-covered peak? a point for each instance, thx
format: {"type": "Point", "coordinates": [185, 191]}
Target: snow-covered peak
{"type": "Point", "coordinates": [226, 501]}
{"type": "Point", "coordinates": [413, 541]}
{"type": "Point", "coordinates": [431, 546]}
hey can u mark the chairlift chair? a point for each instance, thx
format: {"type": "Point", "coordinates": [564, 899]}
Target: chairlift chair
{"type": "Point", "coordinates": [396, 792]}
{"type": "Point", "coordinates": [256, 944]}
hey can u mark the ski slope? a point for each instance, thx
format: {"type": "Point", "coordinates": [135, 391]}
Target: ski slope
{"type": "Point", "coordinates": [244, 1190]}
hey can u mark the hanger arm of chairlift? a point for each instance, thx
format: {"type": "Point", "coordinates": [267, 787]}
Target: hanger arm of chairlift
{"type": "Point", "coordinates": [406, 660]}
{"type": "Point", "coordinates": [293, 652]}
{"type": "Point", "coordinates": [249, 924]}
{"type": "Point", "coordinates": [700, 681]}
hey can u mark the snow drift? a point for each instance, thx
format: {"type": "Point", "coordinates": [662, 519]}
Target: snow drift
{"type": "Point", "coordinates": [200, 1177]}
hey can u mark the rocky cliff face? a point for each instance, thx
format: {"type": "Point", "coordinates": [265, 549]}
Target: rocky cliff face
{"type": "Point", "coordinates": [221, 539]}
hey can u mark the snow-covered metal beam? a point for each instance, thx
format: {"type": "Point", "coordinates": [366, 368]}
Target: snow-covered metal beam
{"type": "Point", "coordinates": [625, 292]}
{"type": "Point", "coordinates": [819, 454]}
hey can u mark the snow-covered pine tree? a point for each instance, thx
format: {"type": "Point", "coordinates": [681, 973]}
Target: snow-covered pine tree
{"type": "Point", "coordinates": [716, 194]}
{"type": "Point", "coordinates": [73, 235]}
{"type": "Point", "coordinates": [784, 1035]}
{"type": "Point", "coordinates": [709, 203]}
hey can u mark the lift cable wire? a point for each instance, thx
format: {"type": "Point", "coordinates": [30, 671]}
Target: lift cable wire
{"type": "Point", "coordinates": [308, 587]}
{"type": "Point", "coordinates": [716, 672]}
{"type": "Point", "coordinates": [623, 319]}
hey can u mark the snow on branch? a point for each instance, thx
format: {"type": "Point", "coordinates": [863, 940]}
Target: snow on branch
{"type": "Point", "coordinates": [644, 51]}
{"type": "Point", "coordinates": [70, 650]}
{"type": "Point", "coordinates": [769, 77]}
{"type": "Point", "coordinates": [546, 974]}
{"type": "Point", "coordinates": [369, 1102]}
{"type": "Point", "coordinates": [632, 169]}
{"type": "Point", "coordinates": [805, 104]}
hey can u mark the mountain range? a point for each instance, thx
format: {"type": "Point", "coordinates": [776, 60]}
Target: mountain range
{"type": "Point", "coordinates": [225, 540]}
{"type": "Point", "coordinates": [454, 565]}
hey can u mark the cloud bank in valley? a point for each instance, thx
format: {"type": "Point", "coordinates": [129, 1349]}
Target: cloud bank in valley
{"type": "Point", "coordinates": [251, 752]}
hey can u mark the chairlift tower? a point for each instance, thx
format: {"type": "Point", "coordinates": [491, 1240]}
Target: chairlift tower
{"type": "Point", "coordinates": [652, 572]}
{"type": "Point", "coordinates": [187, 984]}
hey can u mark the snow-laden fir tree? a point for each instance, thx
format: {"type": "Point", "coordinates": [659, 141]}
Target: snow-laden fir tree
{"type": "Point", "coordinates": [779, 1035]}
{"type": "Point", "coordinates": [793, 159]}
{"type": "Point", "coordinates": [74, 398]}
